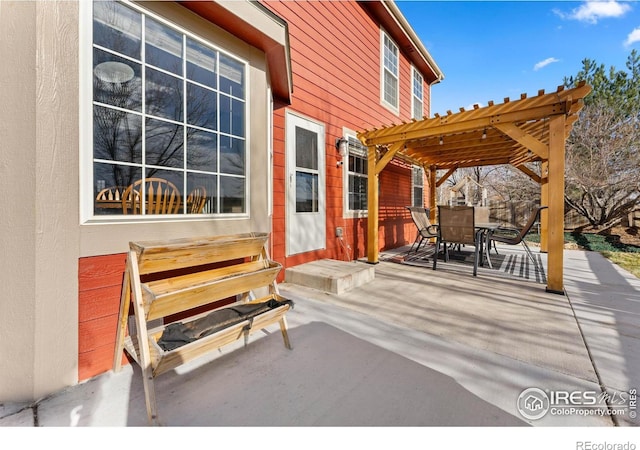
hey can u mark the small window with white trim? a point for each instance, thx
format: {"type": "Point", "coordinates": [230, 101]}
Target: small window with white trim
{"type": "Point", "coordinates": [417, 97]}
{"type": "Point", "coordinates": [390, 72]}
{"type": "Point", "coordinates": [417, 185]}
{"type": "Point", "coordinates": [356, 177]}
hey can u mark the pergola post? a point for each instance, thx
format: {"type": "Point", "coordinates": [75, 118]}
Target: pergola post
{"type": "Point", "coordinates": [555, 196]}
{"type": "Point", "coordinates": [544, 200]}
{"type": "Point", "coordinates": [372, 206]}
{"type": "Point", "coordinates": [432, 194]}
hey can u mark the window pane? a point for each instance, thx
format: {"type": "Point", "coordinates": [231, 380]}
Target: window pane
{"type": "Point", "coordinates": [390, 88]}
{"type": "Point", "coordinates": [202, 150]}
{"type": "Point", "coordinates": [306, 149]}
{"type": "Point", "coordinates": [172, 176]}
{"type": "Point", "coordinates": [117, 135]}
{"type": "Point", "coordinates": [163, 95]}
{"type": "Point", "coordinates": [417, 109]}
{"type": "Point", "coordinates": [201, 187]}
{"type": "Point", "coordinates": [202, 107]}
{"type": "Point", "coordinates": [201, 63]}
{"type": "Point", "coordinates": [417, 196]}
{"type": "Point", "coordinates": [231, 195]}
{"type": "Point", "coordinates": [306, 192]}
{"type": "Point", "coordinates": [231, 155]}
{"type": "Point", "coordinates": [164, 143]}
{"type": "Point", "coordinates": [418, 176]}
{"type": "Point", "coordinates": [390, 56]}
{"type": "Point", "coordinates": [110, 181]}
{"type": "Point", "coordinates": [116, 81]}
{"type": "Point", "coordinates": [231, 76]}
{"type": "Point", "coordinates": [117, 28]}
{"type": "Point", "coordinates": [163, 47]}
{"type": "Point", "coordinates": [357, 192]}
{"type": "Point", "coordinates": [231, 116]}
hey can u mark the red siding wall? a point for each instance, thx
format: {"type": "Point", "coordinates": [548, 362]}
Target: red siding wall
{"type": "Point", "coordinates": [335, 59]}
{"type": "Point", "coordinates": [100, 284]}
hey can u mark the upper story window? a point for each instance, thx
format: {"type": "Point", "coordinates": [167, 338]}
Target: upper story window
{"type": "Point", "coordinates": [390, 72]}
{"type": "Point", "coordinates": [169, 119]}
{"type": "Point", "coordinates": [417, 98]}
{"type": "Point", "coordinates": [357, 179]}
{"type": "Point", "coordinates": [418, 185]}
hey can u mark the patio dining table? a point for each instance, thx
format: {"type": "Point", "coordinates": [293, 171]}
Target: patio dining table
{"type": "Point", "coordinates": [482, 234]}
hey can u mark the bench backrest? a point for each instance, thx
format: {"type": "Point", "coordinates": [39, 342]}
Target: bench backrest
{"type": "Point", "coordinates": [198, 284]}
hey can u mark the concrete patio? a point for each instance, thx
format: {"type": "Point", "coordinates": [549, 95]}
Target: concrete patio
{"type": "Point", "coordinates": [412, 347]}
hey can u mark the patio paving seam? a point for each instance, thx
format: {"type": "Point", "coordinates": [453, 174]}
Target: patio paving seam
{"type": "Point", "coordinates": [603, 387]}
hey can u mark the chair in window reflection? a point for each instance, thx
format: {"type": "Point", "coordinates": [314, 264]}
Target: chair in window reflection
{"type": "Point", "coordinates": [110, 197]}
{"type": "Point", "coordinates": [162, 197]}
{"type": "Point", "coordinates": [196, 200]}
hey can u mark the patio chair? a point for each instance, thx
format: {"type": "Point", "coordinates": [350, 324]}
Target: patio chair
{"type": "Point", "coordinates": [196, 200]}
{"type": "Point", "coordinates": [426, 230]}
{"type": "Point", "coordinates": [515, 236]}
{"type": "Point", "coordinates": [457, 226]}
{"type": "Point", "coordinates": [162, 197]}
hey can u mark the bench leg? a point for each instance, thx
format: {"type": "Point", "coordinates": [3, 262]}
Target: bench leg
{"type": "Point", "coordinates": [150, 396]}
{"type": "Point", "coordinates": [285, 334]}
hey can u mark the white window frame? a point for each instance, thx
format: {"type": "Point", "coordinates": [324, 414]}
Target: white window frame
{"type": "Point", "coordinates": [87, 215]}
{"type": "Point", "coordinates": [350, 213]}
{"type": "Point", "coordinates": [414, 185]}
{"type": "Point", "coordinates": [383, 69]}
{"type": "Point", "coordinates": [416, 77]}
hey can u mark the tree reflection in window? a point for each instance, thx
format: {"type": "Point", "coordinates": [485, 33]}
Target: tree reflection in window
{"type": "Point", "coordinates": [176, 110]}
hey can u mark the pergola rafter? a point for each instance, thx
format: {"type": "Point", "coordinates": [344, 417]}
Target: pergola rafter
{"type": "Point", "coordinates": [531, 129]}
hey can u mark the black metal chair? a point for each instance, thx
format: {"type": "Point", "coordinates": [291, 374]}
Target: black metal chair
{"type": "Point", "coordinates": [515, 236]}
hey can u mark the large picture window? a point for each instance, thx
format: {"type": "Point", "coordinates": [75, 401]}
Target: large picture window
{"type": "Point", "coordinates": [169, 119]}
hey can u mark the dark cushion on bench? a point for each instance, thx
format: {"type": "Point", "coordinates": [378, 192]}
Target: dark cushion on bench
{"type": "Point", "coordinates": [178, 334]}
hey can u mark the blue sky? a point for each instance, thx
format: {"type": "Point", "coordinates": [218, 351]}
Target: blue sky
{"type": "Point", "coordinates": [492, 50]}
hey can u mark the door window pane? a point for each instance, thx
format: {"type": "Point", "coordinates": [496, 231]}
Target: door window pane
{"type": "Point", "coordinates": [306, 149]}
{"type": "Point", "coordinates": [306, 192]}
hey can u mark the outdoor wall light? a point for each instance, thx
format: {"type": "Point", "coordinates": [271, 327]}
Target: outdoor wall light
{"type": "Point", "coordinates": [341, 146]}
{"type": "Point", "coordinates": [441, 140]}
{"type": "Point", "coordinates": [484, 134]}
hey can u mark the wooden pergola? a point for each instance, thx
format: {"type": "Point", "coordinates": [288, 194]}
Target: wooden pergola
{"type": "Point", "coordinates": [514, 132]}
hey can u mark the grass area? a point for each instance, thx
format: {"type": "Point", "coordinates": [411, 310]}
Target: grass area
{"type": "Point", "coordinates": [624, 255]}
{"type": "Point", "coordinates": [628, 261]}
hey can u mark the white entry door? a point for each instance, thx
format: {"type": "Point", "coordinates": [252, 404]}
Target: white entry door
{"type": "Point", "coordinates": [306, 212]}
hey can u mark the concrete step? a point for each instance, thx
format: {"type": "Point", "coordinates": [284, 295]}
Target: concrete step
{"type": "Point", "coordinates": [330, 275]}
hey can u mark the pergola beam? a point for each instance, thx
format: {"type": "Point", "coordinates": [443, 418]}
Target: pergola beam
{"type": "Point", "coordinates": [524, 139]}
{"type": "Point", "coordinates": [530, 173]}
{"type": "Point", "coordinates": [443, 127]}
{"type": "Point", "coordinates": [444, 177]}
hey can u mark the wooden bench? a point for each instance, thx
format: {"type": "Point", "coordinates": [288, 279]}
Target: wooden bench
{"type": "Point", "coordinates": [169, 278]}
